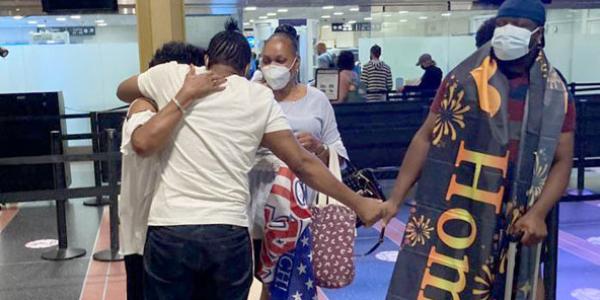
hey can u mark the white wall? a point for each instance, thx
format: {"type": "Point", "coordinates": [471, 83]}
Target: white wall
{"type": "Point", "coordinates": [585, 64]}
{"type": "Point", "coordinates": [572, 41]}
{"type": "Point", "coordinates": [87, 74]}
{"type": "Point", "coordinates": [200, 29]}
{"type": "Point", "coordinates": [87, 71]}
{"type": "Point", "coordinates": [18, 35]}
{"type": "Point", "coordinates": [109, 34]}
{"type": "Point", "coordinates": [112, 34]}
{"type": "Point", "coordinates": [575, 55]}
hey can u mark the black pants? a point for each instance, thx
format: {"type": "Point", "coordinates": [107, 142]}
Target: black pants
{"type": "Point", "coordinates": [257, 247]}
{"type": "Point", "coordinates": [212, 262]}
{"type": "Point", "coordinates": [134, 266]}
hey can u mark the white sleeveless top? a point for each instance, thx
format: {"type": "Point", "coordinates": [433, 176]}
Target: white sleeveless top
{"type": "Point", "coordinates": [138, 181]}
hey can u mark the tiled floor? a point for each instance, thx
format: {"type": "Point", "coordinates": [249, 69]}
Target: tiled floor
{"type": "Point", "coordinates": [24, 275]}
{"type": "Point", "coordinates": [578, 261]}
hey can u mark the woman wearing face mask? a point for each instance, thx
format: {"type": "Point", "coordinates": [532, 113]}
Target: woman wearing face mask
{"type": "Point", "coordinates": [308, 111]}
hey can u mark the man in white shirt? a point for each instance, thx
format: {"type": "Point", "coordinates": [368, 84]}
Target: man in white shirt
{"type": "Point", "coordinates": [139, 174]}
{"type": "Point", "coordinates": [198, 245]}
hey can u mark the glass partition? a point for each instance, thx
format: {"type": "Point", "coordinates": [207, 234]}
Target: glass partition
{"type": "Point", "coordinates": [404, 33]}
{"type": "Point", "coordinates": [84, 56]}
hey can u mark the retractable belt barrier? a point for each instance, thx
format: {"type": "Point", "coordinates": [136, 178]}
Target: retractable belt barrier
{"type": "Point", "coordinates": [99, 121]}
{"type": "Point", "coordinates": [395, 96]}
{"type": "Point", "coordinates": [587, 137]}
{"type": "Point", "coordinates": [60, 194]}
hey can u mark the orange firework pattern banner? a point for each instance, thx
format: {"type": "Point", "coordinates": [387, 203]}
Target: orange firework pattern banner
{"type": "Point", "coordinates": [450, 245]}
{"type": "Point", "coordinates": [455, 241]}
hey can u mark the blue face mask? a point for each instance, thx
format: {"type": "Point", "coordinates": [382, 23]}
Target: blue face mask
{"type": "Point", "coordinates": [511, 42]}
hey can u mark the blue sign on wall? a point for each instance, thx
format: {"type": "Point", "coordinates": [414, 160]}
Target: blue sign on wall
{"type": "Point", "coordinates": [251, 40]}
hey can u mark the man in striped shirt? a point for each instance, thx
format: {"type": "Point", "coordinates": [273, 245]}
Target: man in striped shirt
{"type": "Point", "coordinates": [376, 76]}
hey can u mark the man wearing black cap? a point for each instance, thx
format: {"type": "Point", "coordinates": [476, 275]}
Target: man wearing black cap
{"type": "Point", "coordinates": [431, 79]}
{"type": "Point", "coordinates": [492, 159]}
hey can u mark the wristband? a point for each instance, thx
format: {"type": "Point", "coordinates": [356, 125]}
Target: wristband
{"type": "Point", "coordinates": [325, 148]}
{"type": "Point", "coordinates": [178, 105]}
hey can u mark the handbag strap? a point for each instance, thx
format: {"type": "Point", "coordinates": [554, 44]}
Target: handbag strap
{"type": "Point", "coordinates": [374, 247]}
{"type": "Point", "coordinates": [334, 168]}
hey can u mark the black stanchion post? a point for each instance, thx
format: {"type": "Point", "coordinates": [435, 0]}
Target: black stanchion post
{"type": "Point", "coordinates": [99, 200]}
{"type": "Point", "coordinates": [550, 265]}
{"type": "Point", "coordinates": [112, 254]}
{"type": "Point", "coordinates": [63, 252]}
{"type": "Point", "coordinates": [580, 146]}
{"type": "Point", "coordinates": [573, 88]}
{"type": "Point", "coordinates": [581, 150]}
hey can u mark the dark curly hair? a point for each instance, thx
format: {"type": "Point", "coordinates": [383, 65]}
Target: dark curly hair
{"type": "Point", "coordinates": [180, 52]}
{"type": "Point", "coordinates": [346, 61]}
{"type": "Point", "coordinates": [230, 48]}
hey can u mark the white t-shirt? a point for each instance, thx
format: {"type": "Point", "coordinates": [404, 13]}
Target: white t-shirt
{"type": "Point", "coordinates": [138, 180]}
{"type": "Point", "coordinates": [257, 76]}
{"type": "Point", "coordinates": [204, 171]}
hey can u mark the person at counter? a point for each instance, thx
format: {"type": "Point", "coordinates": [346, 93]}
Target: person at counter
{"type": "Point", "coordinates": [431, 79]}
{"type": "Point", "coordinates": [349, 79]}
{"type": "Point", "coordinates": [376, 76]}
{"type": "Point", "coordinates": [324, 58]}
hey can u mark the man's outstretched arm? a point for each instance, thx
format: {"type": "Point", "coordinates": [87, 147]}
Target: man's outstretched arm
{"type": "Point", "coordinates": [411, 167]}
{"type": "Point", "coordinates": [316, 175]}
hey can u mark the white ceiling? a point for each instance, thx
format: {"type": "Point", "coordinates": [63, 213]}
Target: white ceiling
{"type": "Point", "coordinates": [57, 21]}
{"type": "Point", "coordinates": [391, 14]}
{"type": "Point", "coordinates": [345, 14]}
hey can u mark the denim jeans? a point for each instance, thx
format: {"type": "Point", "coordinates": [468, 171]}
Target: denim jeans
{"type": "Point", "coordinates": [198, 262]}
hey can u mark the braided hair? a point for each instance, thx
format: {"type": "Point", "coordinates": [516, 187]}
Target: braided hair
{"type": "Point", "coordinates": [288, 32]}
{"type": "Point", "coordinates": [230, 48]}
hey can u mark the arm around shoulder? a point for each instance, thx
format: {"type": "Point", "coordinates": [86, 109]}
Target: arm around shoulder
{"type": "Point", "coordinates": [128, 90]}
{"type": "Point", "coordinates": [138, 143]}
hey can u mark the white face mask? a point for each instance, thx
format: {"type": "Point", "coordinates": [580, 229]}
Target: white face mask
{"type": "Point", "coordinates": [277, 76]}
{"type": "Point", "coordinates": [511, 42]}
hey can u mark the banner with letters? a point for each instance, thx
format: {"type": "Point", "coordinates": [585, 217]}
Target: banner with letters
{"type": "Point", "coordinates": [455, 242]}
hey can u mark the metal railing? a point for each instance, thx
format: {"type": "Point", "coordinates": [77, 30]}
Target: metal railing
{"type": "Point", "coordinates": [61, 193]}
